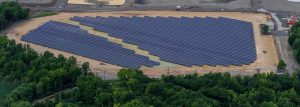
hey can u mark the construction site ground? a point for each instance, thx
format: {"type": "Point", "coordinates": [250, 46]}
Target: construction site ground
{"type": "Point", "coordinates": [267, 57]}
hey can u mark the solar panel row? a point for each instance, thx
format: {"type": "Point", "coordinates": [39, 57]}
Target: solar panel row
{"type": "Point", "coordinates": [185, 41]}
{"type": "Point", "coordinates": [71, 38]}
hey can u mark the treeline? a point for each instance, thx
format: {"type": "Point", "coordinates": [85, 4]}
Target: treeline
{"type": "Point", "coordinates": [294, 40]}
{"type": "Point", "coordinates": [134, 89]}
{"type": "Point", "coordinates": [37, 75]}
{"type": "Point", "coordinates": [11, 12]}
{"type": "Point", "coordinates": [42, 75]}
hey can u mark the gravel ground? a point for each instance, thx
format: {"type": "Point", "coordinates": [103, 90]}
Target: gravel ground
{"type": "Point", "coordinates": [281, 5]}
{"type": "Point", "coordinates": [235, 4]}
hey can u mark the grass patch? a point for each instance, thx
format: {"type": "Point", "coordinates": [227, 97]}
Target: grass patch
{"type": "Point", "coordinates": [5, 88]}
{"type": "Point", "coordinates": [43, 14]}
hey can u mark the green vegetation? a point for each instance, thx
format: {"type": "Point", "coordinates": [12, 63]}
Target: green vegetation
{"type": "Point", "coordinates": [11, 12]}
{"type": "Point", "coordinates": [44, 75]}
{"type": "Point", "coordinates": [38, 75]}
{"type": "Point", "coordinates": [264, 29]}
{"type": "Point", "coordinates": [294, 40]}
{"type": "Point", "coordinates": [5, 88]}
{"type": "Point", "coordinates": [43, 14]}
{"type": "Point", "coordinates": [281, 66]}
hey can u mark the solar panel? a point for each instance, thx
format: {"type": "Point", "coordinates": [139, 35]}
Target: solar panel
{"type": "Point", "coordinates": [72, 39]}
{"type": "Point", "coordinates": [186, 41]}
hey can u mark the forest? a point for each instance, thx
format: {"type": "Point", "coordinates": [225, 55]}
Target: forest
{"type": "Point", "coordinates": [70, 85]}
{"type": "Point", "coordinates": [11, 12]}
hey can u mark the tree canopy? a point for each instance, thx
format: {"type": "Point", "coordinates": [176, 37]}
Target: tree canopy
{"type": "Point", "coordinates": [294, 40]}
{"type": "Point", "coordinates": [281, 65]}
{"type": "Point", "coordinates": [11, 12]}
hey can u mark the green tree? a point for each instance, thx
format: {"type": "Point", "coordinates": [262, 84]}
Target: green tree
{"type": "Point", "coordinates": [58, 78]}
{"type": "Point", "coordinates": [155, 88]}
{"type": "Point", "coordinates": [21, 104]}
{"type": "Point", "coordinates": [294, 40]}
{"type": "Point", "coordinates": [296, 43]}
{"type": "Point", "coordinates": [268, 104]}
{"type": "Point", "coordinates": [135, 103]}
{"type": "Point", "coordinates": [262, 94]}
{"type": "Point", "coordinates": [122, 95]}
{"type": "Point", "coordinates": [285, 102]}
{"type": "Point", "coordinates": [222, 95]}
{"type": "Point", "coordinates": [265, 29]}
{"type": "Point", "coordinates": [88, 87]}
{"type": "Point", "coordinates": [11, 12]}
{"type": "Point", "coordinates": [60, 104]}
{"type": "Point", "coordinates": [85, 68]}
{"type": "Point", "coordinates": [281, 65]}
{"type": "Point", "coordinates": [103, 99]}
{"type": "Point", "coordinates": [25, 92]}
{"type": "Point", "coordinates": [3, 22]}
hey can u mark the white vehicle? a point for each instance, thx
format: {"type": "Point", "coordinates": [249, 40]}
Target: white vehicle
{"type": "Point", "coordinates": [178, 7]}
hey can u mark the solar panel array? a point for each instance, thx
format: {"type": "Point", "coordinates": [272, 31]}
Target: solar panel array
{"type": "Point", "coordinates": [71, 38]}
{"type": "Point", "coordinates": [186, 41]}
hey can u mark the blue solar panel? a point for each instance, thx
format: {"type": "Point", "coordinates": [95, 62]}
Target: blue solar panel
{"type": "Point", "coordinates": [71, 38]}
{"type": "Point", "coordinates": [186, 41]}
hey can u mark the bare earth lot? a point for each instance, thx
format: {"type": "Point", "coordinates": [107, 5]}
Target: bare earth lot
{"type": "Point", "coordinates": [265, 61]}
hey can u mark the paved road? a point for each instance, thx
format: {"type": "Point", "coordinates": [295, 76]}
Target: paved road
{"type": "Point", "coordinates": [287, 53]}
{"type": "Point", "coordinates": [281, 37]}
{"type": "Point", "coordinates": [277, 21]}
{"type": "Point", "coordinates": [281, 5]}
{"type": "Point", "coordinates": [256, 4]}
{"type": "Point", "coordinates": [58, 6]}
